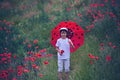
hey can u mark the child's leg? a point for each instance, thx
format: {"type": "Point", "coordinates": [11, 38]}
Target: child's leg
{"type": "Point", "coordinates": [59, 75]}
{"type": "Point", "coordinates": [67, 68]}
{"type": "Point", "coordinates": [66, 75]}
{"type": "Point", "coordinates": [60, 68]}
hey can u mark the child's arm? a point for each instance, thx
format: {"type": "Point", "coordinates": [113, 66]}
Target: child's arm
{"type": "Point", "coordinates": [71, 44]}
{"type": "Point", "coordinates": [60, 51]}
{"type": "Point", "coordinates": [57, 48]}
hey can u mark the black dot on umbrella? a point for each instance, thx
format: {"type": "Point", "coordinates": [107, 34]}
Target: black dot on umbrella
{"type": "Point", "coordinates": [79, 37]}
{"type": "Point", "coordinates": [78, 44]}
{"type": "Point", "coordinates": [73, 28]}
{"type": "Point", "coordinates": [52, 38]}
{"type": "Point", "coordinates": [54, 33]}
{"type": "Point", "coordinates": [81, 34]}
{"type": "Point", "coordinates": [76, 34]}
{"type": "Point", "coordinates": [66, 22]}
{"type": "Point", "coordinates": [76, 25]}
{"type": "Point", "coordinates": [77, 28]}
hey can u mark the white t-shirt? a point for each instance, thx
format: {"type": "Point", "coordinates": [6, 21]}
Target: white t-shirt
{"type": "Point", "coordinates": [63, 44]}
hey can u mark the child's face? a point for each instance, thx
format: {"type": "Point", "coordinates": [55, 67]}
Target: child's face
{"type": "Point", "coordinates": [63, 34]}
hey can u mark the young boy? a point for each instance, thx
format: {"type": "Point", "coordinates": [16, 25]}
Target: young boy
{"type": "Point", "coordinates": [63, 48]}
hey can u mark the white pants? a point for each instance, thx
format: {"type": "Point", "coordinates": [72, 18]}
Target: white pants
{"type": "Point", "coordinates": [63, 63]}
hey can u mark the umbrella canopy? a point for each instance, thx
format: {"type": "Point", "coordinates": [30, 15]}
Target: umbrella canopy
{"type": "Point", "coordinates": [75, 33]}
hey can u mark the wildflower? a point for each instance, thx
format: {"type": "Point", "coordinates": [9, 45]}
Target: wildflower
{"type": "Point", "coordinates": [15, 56]}
{"type": "Point", "coordinates": [34, 65]}
{"type": "Point", "coordinates": [29, 45]}
{"type": "Point", "coordinates": [49, 55]}
{"type": "Point", "coordinates": [96, 57]}
{"type": "Point", "coordinates": [40, 75]}
{"type": "Point", "coordinates": [102, 44]}
{"type": "Point", "coordinates": [102, 5]}
{"type": "Point", "coordinates": [91, 56]}
{"type": "Point", "coordinates": [110, 43]}
{"type": "Point", "coordinates": [14, 79]}
{"type": "Point", "coordinates": [38, 55]}
{"type": "Point", "coordinates": [61, 52]}
{"type": "Point", "coordinates": [46, 62]}
{"type": "Point", "coordinates": [114, 46]}
{"type": "Point", "coordinates": [35, 41]}
{"type": "Point", "coordinates": [26, 70]}
{"type": "Point", "coordinates": [108, 58]}
{"type": "Point", "coordinates": [19, 70]}
{"type": "Point", "coordinates": [91, 62]}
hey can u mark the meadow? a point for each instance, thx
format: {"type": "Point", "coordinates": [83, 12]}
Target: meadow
{"type": "Point", "coordinates": [25, 33]}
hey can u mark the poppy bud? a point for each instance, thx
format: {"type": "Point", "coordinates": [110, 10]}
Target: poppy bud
{"type": "Point", "coordinates": [61, 52]}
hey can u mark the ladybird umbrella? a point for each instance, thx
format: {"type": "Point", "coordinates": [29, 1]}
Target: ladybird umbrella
{"type": "Point", "coordinates": [75, 33]}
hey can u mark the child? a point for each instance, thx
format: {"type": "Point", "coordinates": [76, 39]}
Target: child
{"type": "Point", "coordinates": [63, 48]}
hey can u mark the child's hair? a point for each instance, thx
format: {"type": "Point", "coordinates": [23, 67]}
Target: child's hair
{"type": "Point", "coordinates": [65, 30]}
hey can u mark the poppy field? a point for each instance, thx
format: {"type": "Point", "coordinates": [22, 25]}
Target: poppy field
{"type": "Point", "coordinates": [25, 33]}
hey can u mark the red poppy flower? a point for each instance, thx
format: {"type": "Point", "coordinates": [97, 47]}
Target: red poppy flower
{"type": "Point", "coordinates": [26, 58]}
{"type": "Point", "coordinates": [43, 50]}
{"type": "Point", "coordinates": [9, 55]}
{"type": "Point", "coordinates": [14, 79]}
{"type": "Point", "coordinates": [112, 15]}
{"type": "Point", "coordinates": [37, 67]}
{"type": "Point", "coordinates": [91, 56]}
{"type": "Point", "coordinates": [29, 45]}
{"type": "Point", "coordinates": [15, 56]}
{"type": "Point", "coordinates": [95, 5]}
{"type": "Point", "coordinates": [101, 5]}
{"type": "Point", "coordinates": [101, 44]}
{"type": "Point", "coordinates": [96, 57]}
{"type": "Point", "coordinates": [46, 62]}
{"type": "Point", "coordinates": [38, 55]}
{"type": "Point", "coordinates": [110, 43]}
{"type": "Point", "coordinates": [4, 74]}
{"type": "Point", "coordinates": [40, 75]}
{"type": "Point", "coordinates": [49, 55]}
{"type": "Point", "coordinates": [37, 47]}
{"type": "Point", "coordinates": [102, 48]}
{"type": "Point", "coordinates": [19, 70]}
{"type": "Point", "coordinates": [35, 41]}
{"type": "Point", "coordinates": [108, 58]}
{"type": "Point", "coordinates": [91, 62]}
{"type": "Point", "coordinates": [26, 70]}
{"type": "Point", "coordinates": [80, 15]}
{"type": "Point", "coordinates": [32, 59]}
{"type": "Point", "coordinates": [34, 65]}
{"type": "Point", "coordinates": [114, 46]}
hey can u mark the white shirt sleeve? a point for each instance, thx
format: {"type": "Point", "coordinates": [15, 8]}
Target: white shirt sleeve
{"type": "Point", "coordinates": [57, 43]}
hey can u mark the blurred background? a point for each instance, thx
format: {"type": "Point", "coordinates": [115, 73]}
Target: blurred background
{"type": "Point", "coordinates": [25, 32]}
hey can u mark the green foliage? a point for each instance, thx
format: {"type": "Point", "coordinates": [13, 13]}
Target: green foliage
{"type": "Point", "coordinates": [36, 20]}
{"type": "Point", "coordinates": [10, 37]}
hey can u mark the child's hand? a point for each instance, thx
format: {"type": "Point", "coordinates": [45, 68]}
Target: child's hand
{"type": "Point", "coordinates": [61, 52]}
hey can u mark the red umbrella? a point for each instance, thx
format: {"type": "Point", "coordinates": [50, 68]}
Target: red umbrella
{"type": "Point", "coordinates": [75, 33]}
